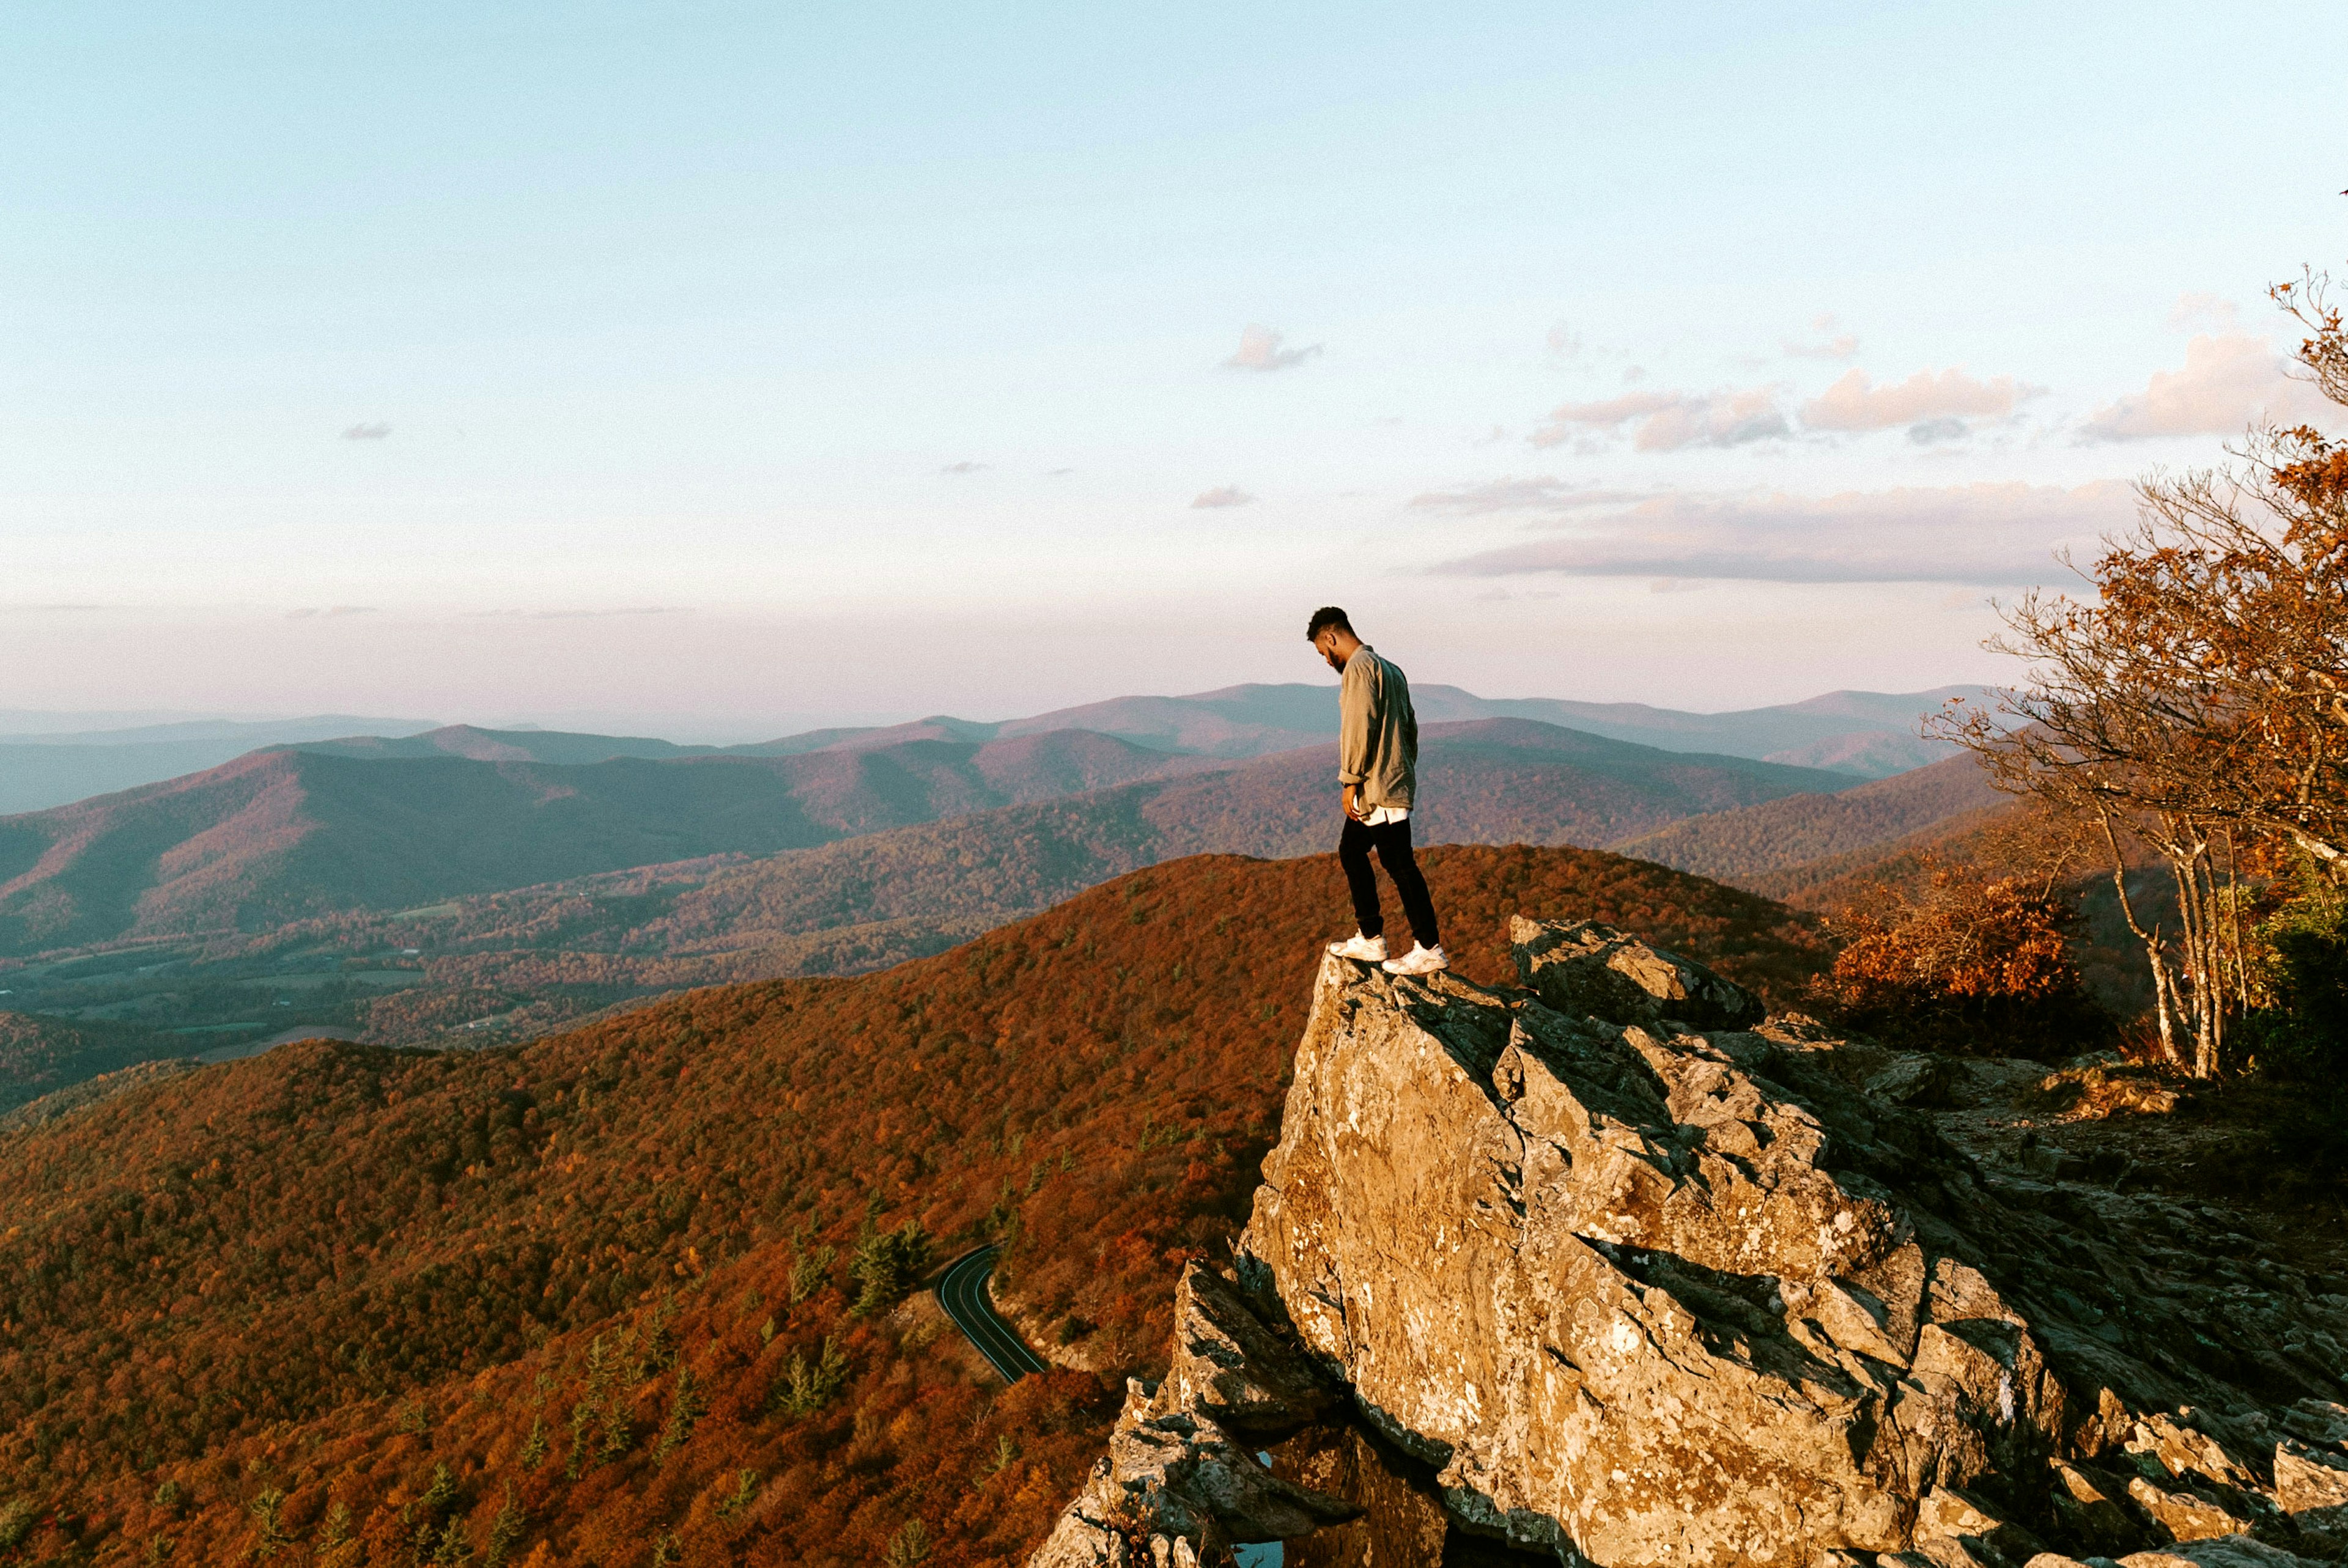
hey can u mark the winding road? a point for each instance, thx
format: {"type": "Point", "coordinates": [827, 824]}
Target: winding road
{"type": "Point", "coordinates": [962, 1291]}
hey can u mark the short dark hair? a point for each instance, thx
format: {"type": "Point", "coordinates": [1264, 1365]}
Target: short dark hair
{"type": "Point", "coordinates": [1327, 616]}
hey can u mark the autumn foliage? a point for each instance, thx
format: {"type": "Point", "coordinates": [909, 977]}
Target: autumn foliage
{"type": "Point", "coordinates": [2198, 705]}
{"type": "Point", "coordinates": [628, 1295]}
{"type": "Point", "coordinates": [1970, 961]}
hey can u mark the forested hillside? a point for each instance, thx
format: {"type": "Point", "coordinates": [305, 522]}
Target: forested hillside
{"type": "Point", "coordinates": [277, 836]}
{"type": "Point", "coordinates": [1498, 780]}
{"type": "Point", "coordinates": [373, 898]}
{"type": "Point", "coordinates": [626, 1289]}
{"type": "Point", "coordinates": [39, 1055]}
{"type": "Point", "coordinates": [1744, 844]}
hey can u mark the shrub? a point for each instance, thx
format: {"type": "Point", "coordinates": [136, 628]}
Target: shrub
{"type": "Point", "coordinates": [505, 1530]}
{"type": "Point", "coordinates": [1970, 963]}
{"type": "Point", "coordinates": [808, 1275]}
{"type": "Point", "coordinates": [686, 1407]}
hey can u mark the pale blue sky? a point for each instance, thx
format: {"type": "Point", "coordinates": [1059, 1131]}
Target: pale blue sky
{"type": "Point", "coordinates": [882, 351]}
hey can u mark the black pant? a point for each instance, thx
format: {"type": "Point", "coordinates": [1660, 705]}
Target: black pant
{"type": "Point", "coordinates": [1392, 841]}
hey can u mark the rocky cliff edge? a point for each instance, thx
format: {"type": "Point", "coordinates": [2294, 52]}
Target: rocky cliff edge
{"type": "Point", "coordinates": [1644, 1278]}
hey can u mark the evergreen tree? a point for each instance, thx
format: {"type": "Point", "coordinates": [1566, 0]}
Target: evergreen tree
{"type": "Point", "coordinates": [686, 1405]}
{"type": "Point", "coordinates": [807, 1387]}
{"type": "Point", "coordinates": [505, 1532]}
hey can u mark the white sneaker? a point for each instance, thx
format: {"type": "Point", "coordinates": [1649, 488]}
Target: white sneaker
{"type": "Point", "coordinates": [1419, 962]}
{"type": "Point", "coordinates": [1361, 949]}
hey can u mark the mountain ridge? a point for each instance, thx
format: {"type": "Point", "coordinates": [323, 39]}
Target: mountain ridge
{"type": "Point", "coordinates": [1775, 837]}
{"type": "Point", "coordinates": [282, 835]}
{"type": "Point", "coordinates": [278, 834]}
{"type": "Point", "coordinates": [1865, 733]}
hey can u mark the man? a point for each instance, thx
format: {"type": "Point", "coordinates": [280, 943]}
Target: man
{"type": "Point", "coordinates": [1377, 763]}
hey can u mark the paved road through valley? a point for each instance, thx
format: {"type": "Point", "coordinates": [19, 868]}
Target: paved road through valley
{"type": "Point", "coordinates": [962, 1291]}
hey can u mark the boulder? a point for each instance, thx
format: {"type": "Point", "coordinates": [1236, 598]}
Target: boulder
{"type": "Point", "coordinates": [1603, 1277]}
{"type": "Point", "coordinates": [1582, 969]}
{"type": "Point", "coordinates": [2184, 1515]}
{"type": "Point", "coordinates": [2311, 1486]}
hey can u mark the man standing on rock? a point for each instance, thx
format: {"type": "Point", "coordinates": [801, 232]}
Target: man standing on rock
{"type": "Point", "coordinates": [1377, 762]}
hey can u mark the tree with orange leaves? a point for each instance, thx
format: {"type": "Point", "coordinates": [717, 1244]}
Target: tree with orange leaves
{"type": "Point", "coordinates": [2200, 701]}
{"type": "Point", "coordinates": [1972, 961]}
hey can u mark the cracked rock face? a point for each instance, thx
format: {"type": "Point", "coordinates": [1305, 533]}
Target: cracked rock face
{"type": "Point", "coordinates": [1583, 969]}
{"type": "Point", "coordinates": [1644, 1279]}
{"type": "Point", "coordinates": [1178, 1483]}
{"type": "Point", "coordinates": [1650, 1295]}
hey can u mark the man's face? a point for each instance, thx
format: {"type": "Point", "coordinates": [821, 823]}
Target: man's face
{"type": "Point", "coordinates": [1326, 646]}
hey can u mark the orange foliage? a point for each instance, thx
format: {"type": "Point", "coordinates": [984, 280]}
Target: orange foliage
{"type": "Point", "coordinates": [328, 1270]}
{"type": "Point", "coordinates": [1970, 961]}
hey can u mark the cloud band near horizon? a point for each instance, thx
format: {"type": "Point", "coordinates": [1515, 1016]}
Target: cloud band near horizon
{"type": "Point", "coordinates": [1987, 535]}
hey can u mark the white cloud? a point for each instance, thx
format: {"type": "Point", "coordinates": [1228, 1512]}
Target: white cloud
{"type": "Point", "coordinates": [1564, 342]}
{"type": "Point", "coordinates": [629, 610]}
{"type": "Point", "coordinates": [2205, 313]}
{"type": "Point", "coordinates": [1222, 496]}
{"type": "Point", "coordinates": [366, 432]}
{"type": "Point", "coordinates": [964, 466]}
{"type": "Point", "coordinates": [1512, 495]}
{"type": "Point", "coordinates": [332, 612]}
{"type": "Point", "coordinates": [2230, 381]}
{"type": "Point", "coordinates": [1856, 403]}
{"type": "Point", "coordinates": [1259, 349]}
{"type": "Point", "coordinates": [1837, 344]}
{"type": "Point", "coordinates": [1975, 534]}
{"type": "Point", "coordinates": [1670, 421]}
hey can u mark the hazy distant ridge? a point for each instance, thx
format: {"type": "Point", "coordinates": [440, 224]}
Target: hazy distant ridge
{"type": "Point", "coordinates": [282, 835]}
{"type": "Point", "coordinates": [1867, 734]}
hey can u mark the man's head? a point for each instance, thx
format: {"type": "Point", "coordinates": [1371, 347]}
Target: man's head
{"type": "Point", "coordinates": [1332, 636]}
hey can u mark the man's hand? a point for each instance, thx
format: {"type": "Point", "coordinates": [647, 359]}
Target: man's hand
{"type": "Point", "coordinates": [1353, 808]}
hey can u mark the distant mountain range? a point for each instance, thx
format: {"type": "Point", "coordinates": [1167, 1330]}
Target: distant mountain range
{"type": "Point", "coordinates": [277, 835]}
{"type": "Point", "coordinates": [914, 890]}
{"type": "Point", "coordinates": [1862, 733]}
{"type": "Point", "coordinates": [39, 769]}
{"type": "Point", "coordinates": [280, 836]}
{"type": "Point", "coordinates": [408, 890]}
{"type": "Point", "coordinates": [455, 880]}
{"type": "Point", "coordinates": [1868, 734]}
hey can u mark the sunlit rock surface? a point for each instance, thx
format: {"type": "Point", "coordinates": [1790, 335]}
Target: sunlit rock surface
{"type": "Point", "coordinates": [1635, 1293]}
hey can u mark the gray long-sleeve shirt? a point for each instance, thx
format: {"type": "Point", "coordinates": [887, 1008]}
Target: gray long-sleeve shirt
{"type": "Point", "coordinates": [1377, 733]}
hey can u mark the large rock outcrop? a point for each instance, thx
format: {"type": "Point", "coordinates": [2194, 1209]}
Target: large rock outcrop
{"type": "Point", "coordinates": [1642, 1295]}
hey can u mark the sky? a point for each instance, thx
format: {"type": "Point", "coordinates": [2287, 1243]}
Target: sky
{"type": "Point", "coordinates": [718, 370]}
